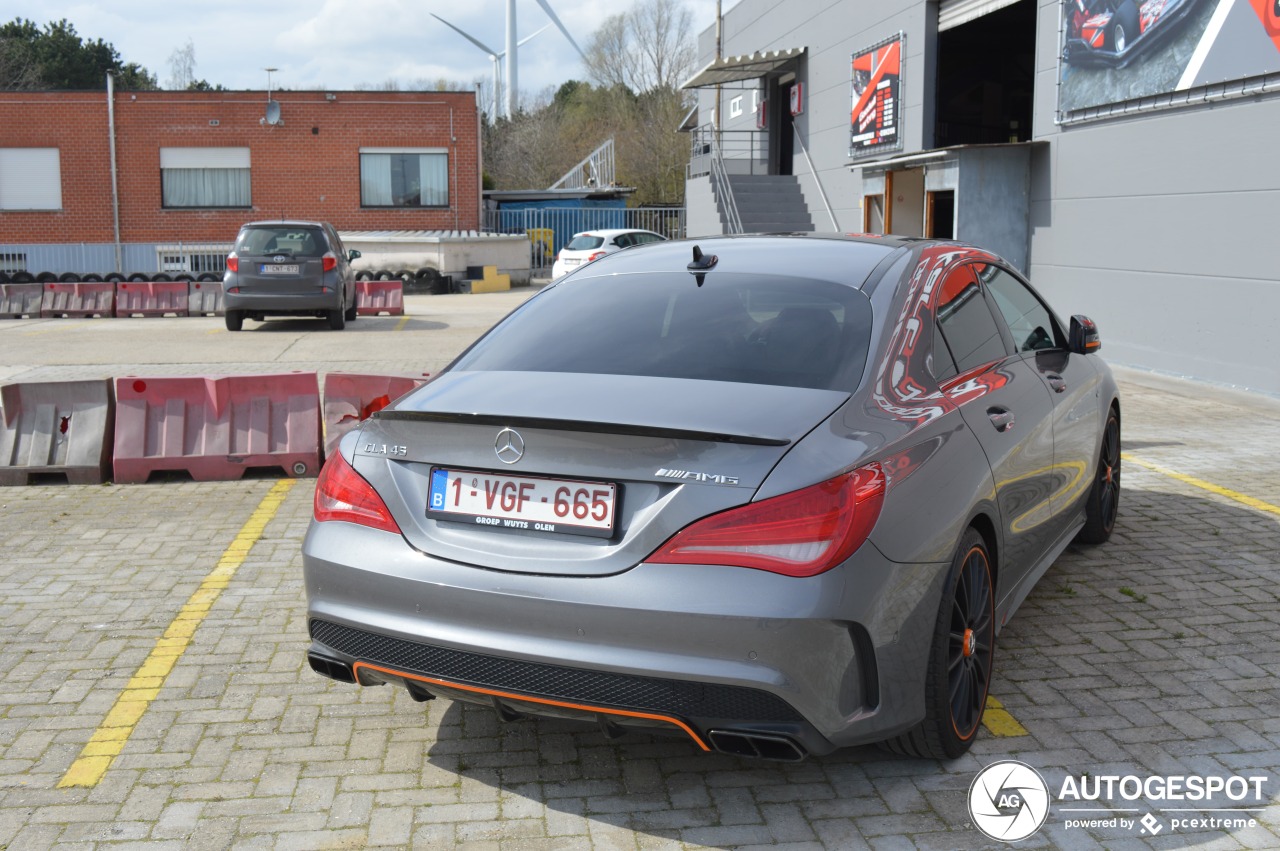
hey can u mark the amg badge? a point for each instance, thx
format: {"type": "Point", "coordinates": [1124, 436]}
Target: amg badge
{"type": "Point", "coordinates": [690, 475]}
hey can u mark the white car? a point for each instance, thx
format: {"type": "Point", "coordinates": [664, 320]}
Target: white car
{"type": "Point", "coordinates": [590, 244]}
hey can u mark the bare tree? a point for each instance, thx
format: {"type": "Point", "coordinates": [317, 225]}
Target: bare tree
{"type": "Point", "coordinates": [18, 72]}
{"type": "Point", "coordinates": [182, 66]}
{"type": "Point", "coordinates": [649, 47]}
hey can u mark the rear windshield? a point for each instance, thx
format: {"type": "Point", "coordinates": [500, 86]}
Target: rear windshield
{"type": "Point", "coordinates": [585, 243]}
{"type": "Point", "coordinates": [282, 239]}
{"type": "Point", "coordinates": [755, 329]}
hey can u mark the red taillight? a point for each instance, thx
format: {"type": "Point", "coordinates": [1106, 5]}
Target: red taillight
{"type": "Point", "coordinates": [802, 533]}
{"type": "Point", "coordinates": [596, 255]}
{"type": "Point", "coordinates": [343, 494]}
{"type": "Point", "coordinates": [330, 261]}
{"type": "Point", "coordinates": [233, 262]}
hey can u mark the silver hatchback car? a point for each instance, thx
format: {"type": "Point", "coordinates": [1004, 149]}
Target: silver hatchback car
{"type": "Point", "coordinates": [777, 494]}
{"type": "Point", "coordinates": [289, 268]}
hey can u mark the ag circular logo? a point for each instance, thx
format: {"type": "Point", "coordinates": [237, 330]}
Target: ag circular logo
{"type": "Point", "coordinates": [1008, 800]}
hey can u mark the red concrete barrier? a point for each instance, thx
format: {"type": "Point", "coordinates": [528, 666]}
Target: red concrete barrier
{"type": "Point", "coordinates": [60, 427]}
{"type": "Point", "coordinates": [215, 428]}
{"type": "Point", "coordinates": [374, 297]}
{"type": "Point", "coordinates": [204, 298]}
{"type": "Point", "coordinates": [152, 299]}
{"type": "Point", "coordinates": [85, 299]}
{"type": "Point", "coordinates": [19, 300]}
{"type": "Point", "coordinates": [349, 399]}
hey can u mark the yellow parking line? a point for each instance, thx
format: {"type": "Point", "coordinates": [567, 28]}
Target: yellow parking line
{"type": "Point", "coordinates": [1243, 499]}
{"type": "Point", "coordinates": [404, 320]}
{"type": "Point", "coordinates": [54, 327]}
{"type": "Point", "coordinates": [999, 722]}
{"type": "Point", "coordinates": [109, 739]}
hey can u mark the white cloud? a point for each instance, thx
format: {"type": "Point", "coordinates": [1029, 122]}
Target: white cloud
{"type": "Point", "coordinates": [338, 44]}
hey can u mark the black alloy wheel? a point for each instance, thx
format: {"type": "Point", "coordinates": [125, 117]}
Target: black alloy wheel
{"type": "Point", "coordinates": [970, 643]}
{"type": "Point", "coordinates": [961, 659]}
{"type": "Point", "coordinates": [1104, 497]}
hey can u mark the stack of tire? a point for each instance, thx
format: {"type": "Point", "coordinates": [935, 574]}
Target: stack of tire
{"type": "Point", "coordinates": [94, 277]}
{"type": "Point", "coordinates": [424, 281]}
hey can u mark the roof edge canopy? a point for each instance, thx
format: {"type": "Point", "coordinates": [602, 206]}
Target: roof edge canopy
{"type": "Point", "coordinates": [732, 69]}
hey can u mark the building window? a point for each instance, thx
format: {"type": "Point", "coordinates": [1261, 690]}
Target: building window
{"type": "Point", "coordinates": [30, 179]}
{"type": "Point", "coordinates": [404, 177]}
{"type": "Point", "coordinates": [204, 177]}
{"type": "Point", "coordinates": [735, 107]}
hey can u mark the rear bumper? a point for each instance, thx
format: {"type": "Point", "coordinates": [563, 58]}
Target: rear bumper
{"type": "Point", "coordinates": [279, 304]}
{"type": "Point", "coordinates": [712, 652]}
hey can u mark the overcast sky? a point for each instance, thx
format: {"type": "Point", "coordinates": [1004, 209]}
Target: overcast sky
{"type": "Point", "coordinates": [336, 44]}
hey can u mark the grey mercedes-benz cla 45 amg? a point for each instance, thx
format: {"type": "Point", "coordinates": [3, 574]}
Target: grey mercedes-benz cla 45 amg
{"type": "Point", "coordinates": [775, 494]}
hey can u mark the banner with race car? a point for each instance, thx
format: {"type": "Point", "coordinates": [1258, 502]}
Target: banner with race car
{"type": "Point", "coordinates": [1116, 51]}
{"type": "Point", "coordinates": [875, 122]}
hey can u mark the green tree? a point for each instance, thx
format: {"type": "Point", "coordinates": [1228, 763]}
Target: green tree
{"type": "Point", "coordinates": [56, 57]}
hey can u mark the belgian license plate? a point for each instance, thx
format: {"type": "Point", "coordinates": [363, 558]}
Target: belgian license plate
{"type": "Point", "coordinates": [279, 269]}
{"type": "Point", "coordinates": [523, 502]}
{"type": "Point", "coordinates": [571, 261]}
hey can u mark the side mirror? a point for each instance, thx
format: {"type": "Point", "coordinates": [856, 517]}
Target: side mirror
{"type": "Point", "coordinates": [352, 254]}
{"type": "Point", "coordinates": [1084, 335]}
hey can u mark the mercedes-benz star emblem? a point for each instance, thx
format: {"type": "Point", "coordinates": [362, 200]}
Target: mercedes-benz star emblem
{"type": "Point", "coordinates": [509, 445]}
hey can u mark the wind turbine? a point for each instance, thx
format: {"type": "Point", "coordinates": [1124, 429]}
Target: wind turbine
{"type": "Point", "coordinates": [513, 86]}
{"type": "Point", "coordinates": [512, 82]}
{"type": "Point", "coordinates": [494, 56]}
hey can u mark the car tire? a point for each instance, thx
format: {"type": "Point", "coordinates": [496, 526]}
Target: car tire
{"type": "Point", "coordinates": [115, 277]}
{"type": "Point", "coordinates": [138, 278]}
{"type": "Point", "coordinates": [352, 313]}
{"type": "Point", "coordinates": [1124, 27]}
{"type": "Point", "coordinates": [208, 277]}
{"type": "Point", "coordinates": [69, 278]}
{"type": "Point", "coordinates": [235, 320]}
{"type": "Point", "coordinates": [92, 278]}
{"type": "Point", "coordinates": [1103, 504]}
{"type": "Point", "coordinates": [960, 659]}
{"type": "Point", "coordinates": [337, 318]}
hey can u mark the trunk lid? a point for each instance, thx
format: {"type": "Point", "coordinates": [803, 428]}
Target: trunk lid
{"type": "Point", "coordinates": [675, 450]}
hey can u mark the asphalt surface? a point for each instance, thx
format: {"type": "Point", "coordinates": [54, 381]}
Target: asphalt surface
{"type": "Point", "coordinates": [163, 624]}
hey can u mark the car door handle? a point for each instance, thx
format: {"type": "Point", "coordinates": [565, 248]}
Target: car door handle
{"type": "Point", "coordinates": [1057, 382]}
{"type": "Point", "coordinates": [1001, 418]}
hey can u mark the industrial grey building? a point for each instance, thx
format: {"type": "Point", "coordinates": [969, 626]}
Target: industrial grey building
{"type": "Point", "coordinates": [1122, 153]}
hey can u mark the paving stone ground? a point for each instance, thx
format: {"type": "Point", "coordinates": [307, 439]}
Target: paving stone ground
{"type": "Point", "coordinates": [1156, 654]}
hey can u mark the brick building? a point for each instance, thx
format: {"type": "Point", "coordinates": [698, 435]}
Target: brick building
{"type": "Point", "coordinates": [191, 167]}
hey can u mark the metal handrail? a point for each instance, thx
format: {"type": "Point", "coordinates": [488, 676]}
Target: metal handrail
{"type": "Point", "coordinates": [720, 183]}
{"type": "Point", "coordinates": [596, 170]}
{"type": "Point", "coordinates": [816, 179]}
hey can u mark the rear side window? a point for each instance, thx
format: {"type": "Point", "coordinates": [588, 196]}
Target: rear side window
{"type": "Point", "coordinates": [754, 329]}
{"type": "Point", "coordinates": [585, 242]}
{"type": "Point", "coordinates": [1029, 320]}
{"type": "Point", "coordinates": [292, 241]}
{"type": "Point", "coordinates": [967, 332]}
